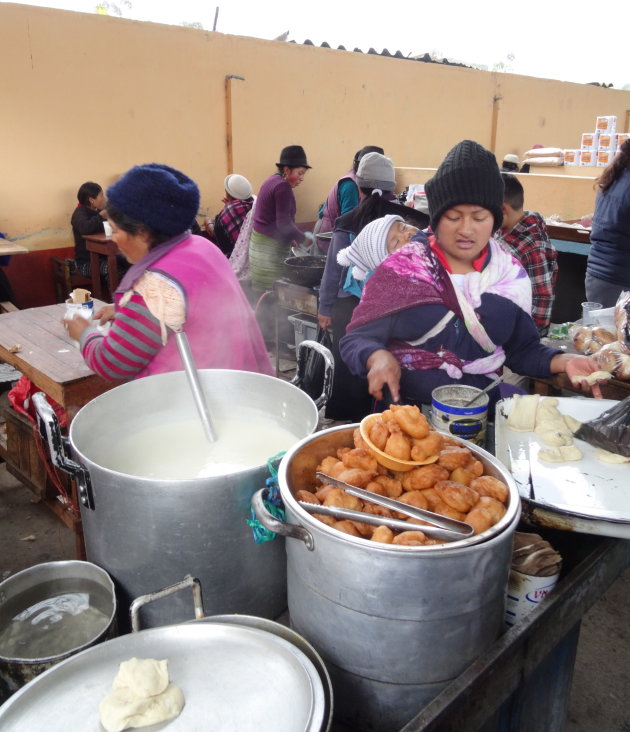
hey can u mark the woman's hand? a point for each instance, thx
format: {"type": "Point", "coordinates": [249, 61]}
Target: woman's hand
{"type": "Point", "coordinates": [383, 369]}
{"type": "Point", "coordinates": [577, 368]}
{"type": "Point", "coordinates": [76, 326]}
{"type": "Point", "coordinates": [325, 321]}
{"type": "Point", "coordinates": [104, 314]}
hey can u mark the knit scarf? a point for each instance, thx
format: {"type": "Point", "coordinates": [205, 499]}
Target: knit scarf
{"type": "Point", "coordinates": [414, 276]}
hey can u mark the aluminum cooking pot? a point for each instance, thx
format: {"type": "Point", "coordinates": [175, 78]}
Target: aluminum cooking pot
{"type": "Point", "coordinates": [394, 624]}
{"type": "Point", "coordinates": [67, 606]}
{"type": "Point", "coordinates": [148, 533]}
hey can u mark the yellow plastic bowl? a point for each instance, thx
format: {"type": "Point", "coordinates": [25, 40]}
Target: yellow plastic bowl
{"type": "Point", "coordinates": [387, 461]}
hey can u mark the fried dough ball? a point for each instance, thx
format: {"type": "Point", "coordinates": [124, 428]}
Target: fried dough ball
{"type": "Point", "coordinates": [328, 520]}
{"type": "Point", "coordinates": [378, 434]}
{"type": "Point", "coordinates": [356, 477]}
{"type": "Point", "coordinates": [476, 467]}
{"type": "Point", "coordinates": [377, 488]}
{"type": "Point", "coordinates": [341, 499]}
{"type": "Point", "coordinates": [359, 458]}
{"type": "Point", "coordinates": [456, 495]}
{"type": "Point", "coordinates": [462, 475]}
{"type": "Point", "coordinates": [454, 457]}
{"type": "Point", "coordinates": [445, 510]}
{"type": "Point", "coordinates": [383, 534]}
{"type": "Point", "coordinates": [347, 527]}
{"type": "Point", "coordinates": [307, 496]}
{"type": "Point", "coordinates": [427, 446]}
{"type": "Point", "coordinates": [328, 464]}
{"type": "Point", "coordinates": [393, 488]}
{"type": "Point", "coordinates": [415, 498]}
{"type": "Point", "coordinates": [479, 519]}
{"type": "Point", "coordinates": [387, 415]}
{"type": "Point", "coordinates": [341, 451]}
{"type": "Point", "coordinates": [366, 530]}
{"type": "Point", "coordinates": [495, 508]}
{"type": "Point", "coordinates": [410, 538]}
{"type": "Point", "coordinates": [398, 446]}
{"type": "Point", "coordinates": [426, 476]}
{"type": "Point", "coordinates": [486, 485]}
{"type": "Point", "coordinates": [432, 498]}
{"type": "Point", "coordinates": [358, 440]}
{"type": "Point", "coordinates": [322, 492]}
{"type": "Point", "coordinates": [377, 510]}
{"type": "Point", "coordinates": [410, 420]}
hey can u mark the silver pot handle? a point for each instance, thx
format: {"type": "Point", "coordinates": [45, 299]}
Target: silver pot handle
{"type": "Point", "coordinates": [188, 581]}
{"type": "Point", "coordinates": [329, 369]}
{"type": "Point", "coordinates": [292, 531]}
{"type": "Point", "coordinates": [49, 429]}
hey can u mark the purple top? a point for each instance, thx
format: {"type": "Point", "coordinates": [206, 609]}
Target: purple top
{"type": "Point", "coordinates": [274, 215]}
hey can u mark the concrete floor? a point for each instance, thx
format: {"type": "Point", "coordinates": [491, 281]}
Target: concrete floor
{"type": "Point", "coordinates": [30, 534]}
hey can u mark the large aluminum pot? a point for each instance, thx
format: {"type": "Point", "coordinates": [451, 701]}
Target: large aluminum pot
{"type": "Point", "coordinates": [148, 533]}
{"type": "Point", "coordinates": [62, 607]}
{"type": "Point", "coordinates": [234, 676]}
{"type": "Point", "coordinates": [394, 624]}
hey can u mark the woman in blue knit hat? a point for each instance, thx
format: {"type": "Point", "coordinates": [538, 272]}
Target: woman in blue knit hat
{"type": "Point", "coordinates": [176, 280]}
{"type": "Point", "coordinates": [456, 309]}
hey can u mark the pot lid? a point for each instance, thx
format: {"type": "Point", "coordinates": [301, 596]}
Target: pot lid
{"type": "Point", "coordinates": [232, 677]}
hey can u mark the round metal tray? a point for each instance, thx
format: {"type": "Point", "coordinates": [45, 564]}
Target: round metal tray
{"type": "Point", "coordinates": [232, 677]}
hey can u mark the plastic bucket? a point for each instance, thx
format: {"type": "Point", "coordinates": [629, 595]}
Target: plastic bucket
{"type": "Point", "coordinates": [449, 414]}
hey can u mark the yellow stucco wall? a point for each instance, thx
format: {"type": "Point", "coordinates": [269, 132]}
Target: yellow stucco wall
{"type": "Point", "coordinates": [86, 96]}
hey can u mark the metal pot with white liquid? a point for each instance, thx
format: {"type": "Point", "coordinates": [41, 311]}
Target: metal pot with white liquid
{"type": "Point", "coordinates": [155, 507]}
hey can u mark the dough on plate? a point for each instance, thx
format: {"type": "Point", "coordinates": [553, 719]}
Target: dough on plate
{"type": "Point", "coordinates": [572, 423]}
{"type": "Point", "coordinates": [554, 434]}
{"type": "Point", "coordinates": [522, 416]}
{"type": "Point", "coordinates": [141, 696]}
{"type": "Point", "coordinates": [560, 454]}
{"type": "Point", "coordinates": [610, 457]}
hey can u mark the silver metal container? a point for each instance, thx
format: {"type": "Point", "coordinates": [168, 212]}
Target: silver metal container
{"type": "Point", "coordinates": [37, 586]}
{"type": "Point", "coordinates": [149, 533]}
{"type": "Point", "coordinates": [394, 624]}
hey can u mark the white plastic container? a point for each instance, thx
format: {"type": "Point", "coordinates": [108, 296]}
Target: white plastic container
{"type": "Point", "coordinates": [590, 141]}
{"type": "Point", "coordinates": [572, 157]}
{"type": "Point", "coordinates": [606, 124]}
{"type": "Point", "coordinates": [588, 158]}
{"type": "Point", "coordinates": [607, 141]}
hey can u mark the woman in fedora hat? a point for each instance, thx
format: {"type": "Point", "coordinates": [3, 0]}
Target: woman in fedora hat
{"type": "Point", "coordinates": [274, 230]}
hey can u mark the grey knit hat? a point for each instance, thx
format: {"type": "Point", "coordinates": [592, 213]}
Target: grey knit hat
{"type": "Point", "coordinates": [468, 174]}
{"type": "Point", "coordinates": [161, 197]}
{"type": "Point", "coordinates": [376, 171]}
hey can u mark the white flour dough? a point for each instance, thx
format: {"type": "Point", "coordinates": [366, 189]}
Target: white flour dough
{"type": "Point", "coordinates": [560, 454]}
{"type": "Point", "coordinates": [141, 695]}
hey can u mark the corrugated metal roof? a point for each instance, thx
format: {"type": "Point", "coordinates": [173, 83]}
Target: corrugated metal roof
{"type": "Point", "coordinates": [425, 58]}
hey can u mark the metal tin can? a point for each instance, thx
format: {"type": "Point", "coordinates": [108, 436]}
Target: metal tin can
{"type": "Point", "coordinates": [449, 414]}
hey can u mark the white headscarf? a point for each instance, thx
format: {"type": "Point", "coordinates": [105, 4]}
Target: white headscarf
{"type": "Point", "coordinates": [369, 249]}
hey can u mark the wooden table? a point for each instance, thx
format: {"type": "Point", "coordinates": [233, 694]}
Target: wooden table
{"type": "Point", "coordinates": [569, 233]}
{"type": "Point", "coordinates": [611, 389]}
{"type": "Point", "coordinates": [102, 245]}
{"type": "Point", "coordinates": [10, 247]}
{"type": "Point", "coordinates": [36, 343]}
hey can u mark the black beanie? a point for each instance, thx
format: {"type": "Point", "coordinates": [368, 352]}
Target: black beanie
{"type": "Point", "coordinates": [468, 174]}
{"type": "Point", "coordinates": [161, 197]}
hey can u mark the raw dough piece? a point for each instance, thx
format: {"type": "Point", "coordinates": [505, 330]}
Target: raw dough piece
{"type": "Point", "coordinates": [610, 457]}
{"type": "Point", "coordinates": [548, 411]}
{"type": "Point", "coordinates": [144, 676]}
{"type": "Point", "coordinates": [560, 454]}
{"type": "Point", "coordinates": [522, 416]}
{"type": "Point", "coordinates": [592, 378]}
{"type": "Point", "coordinates": [131, 703]}
{"type": "Point", "coordinates": [554, 433]}
{"type": "Point", "coordinates": [572, 423]}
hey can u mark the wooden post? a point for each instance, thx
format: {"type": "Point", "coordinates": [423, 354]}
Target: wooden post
{"type": "Point", "coordinates": [228, 121]}
{"type": "Point", "coordinates": [495, 119]}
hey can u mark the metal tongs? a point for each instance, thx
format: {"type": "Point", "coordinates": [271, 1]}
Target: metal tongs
{"type": "Point", "coordinates": [441, 527]}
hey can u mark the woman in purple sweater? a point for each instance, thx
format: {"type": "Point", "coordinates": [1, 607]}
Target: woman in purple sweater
{"type": "Point", "coordinates": [456, 308]}
{"type": "Point", "coordinates": [274, 230]}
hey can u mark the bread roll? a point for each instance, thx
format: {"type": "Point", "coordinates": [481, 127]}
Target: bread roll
{"type": "Point", "coordinates": [580, 335]}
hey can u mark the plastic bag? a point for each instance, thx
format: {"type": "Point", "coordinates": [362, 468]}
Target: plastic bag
{"type": "Point", "coordinates": [313, 382]}
{"type": "Point", "coordinates": [610, 431]}
{"type": "Point", "coordinates": [20, 399]}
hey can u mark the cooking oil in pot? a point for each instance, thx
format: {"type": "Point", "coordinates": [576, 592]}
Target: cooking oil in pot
{"type": "Point", "coordinates": [180, 450]}
{"type": "Point", "coordinates": [32, 628]}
